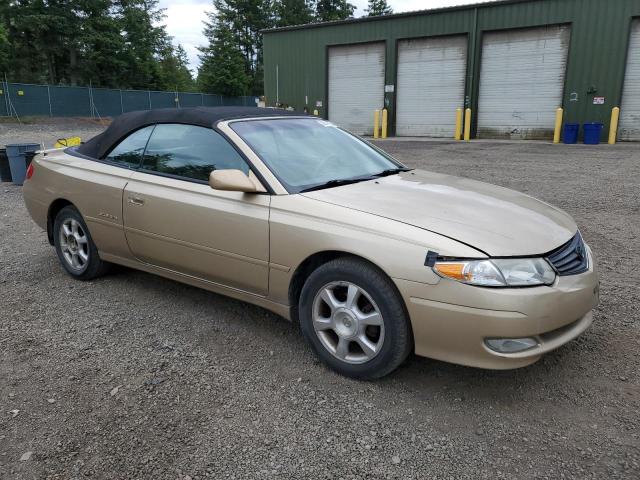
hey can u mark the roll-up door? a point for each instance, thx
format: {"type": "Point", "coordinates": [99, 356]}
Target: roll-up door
{"type": "Point", "coordinates": [430, 85]}
{"type": "Point", "coordinates": [630, 108]}
{"type": "Point", "coordinates": [356, 85]}
{"type": "Point", "coordinates": [522, 81]}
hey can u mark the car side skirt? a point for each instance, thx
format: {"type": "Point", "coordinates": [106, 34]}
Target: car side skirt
{"type": "Point", "coordinates": [277, 308]}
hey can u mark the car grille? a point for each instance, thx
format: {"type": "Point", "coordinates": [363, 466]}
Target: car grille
{"type": "Point", "coordinates": [570, 258]}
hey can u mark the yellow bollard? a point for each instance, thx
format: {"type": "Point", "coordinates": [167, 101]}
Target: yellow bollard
{"type": "Point", "coordinates": [385, 116]}
{"type": "Point", "coordinates": [558, 127]}
{"type": "Point", "coordinates": [613, 127]}
{"type": "Point", "coordinates": [467, 125]}
{"type": "Point", "coordinates": [376, 124]}
{"type": "Point", "coordinates": [458, 134]}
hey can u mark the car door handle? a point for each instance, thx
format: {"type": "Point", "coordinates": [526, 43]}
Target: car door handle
{"type": "Point", "coordinates": [136, 201]}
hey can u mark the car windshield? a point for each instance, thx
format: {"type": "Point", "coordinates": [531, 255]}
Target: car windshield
{"type": "Point", "coordinates": [309, 153]}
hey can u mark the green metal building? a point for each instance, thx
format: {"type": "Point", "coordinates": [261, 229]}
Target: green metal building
{"type": "Point", "coordinates": [513, 62]}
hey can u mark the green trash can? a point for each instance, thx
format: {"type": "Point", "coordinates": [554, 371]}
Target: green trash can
{"type": "Point", "coordinates": [5, 171]}
{"type": "Point", "coordinates": [17, 160]}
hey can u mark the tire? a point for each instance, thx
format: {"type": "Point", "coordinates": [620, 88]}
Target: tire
{"type": "Point", "coordinates": [350, 301]}
{"type": "Point", "coordinates": [75, 248]}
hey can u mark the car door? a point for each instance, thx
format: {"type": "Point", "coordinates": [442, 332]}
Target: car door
{"type": "Point", "coordinates": [173, 219]}
{"type": "Point", "coordinates": [96, 189]}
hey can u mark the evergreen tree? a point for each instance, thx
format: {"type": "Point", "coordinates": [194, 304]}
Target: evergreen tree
{"type": "Point", "coordinates": [117, 43]}
{"type": "Point", "coordinates": [39, 34]}
{"type": "Point", "coordinates": [293, 12]}
{"type": "Point", "coordinates": [4, 49]}
{"type": "Point", "coordinates": [245, 20]}
{"type": "Point", "coordinates": [174, 67]}
{"type": "Point", "coordinates": [100, 46]}
{"type": "Point", "coordinates": [223, 66]}
{"type": "Point", "coordinates": [378, 7]}
{"type": "Point", "coordinates": [144, 40]}
{"type": "Point", "coordinates": [331, 10]}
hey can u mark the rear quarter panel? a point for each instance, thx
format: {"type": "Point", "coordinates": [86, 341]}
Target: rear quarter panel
{"type": "Point", "coordinates": [93, 187]}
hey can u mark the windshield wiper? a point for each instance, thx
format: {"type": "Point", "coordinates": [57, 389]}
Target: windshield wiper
{"type": "Point", "coordinates": [391, 171]}
{"type": "Point", "coordinates": [335, 183]}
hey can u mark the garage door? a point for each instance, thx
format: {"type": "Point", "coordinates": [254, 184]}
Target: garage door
{"type": "Point", "coordinates": [521, 82]}
{"type": "Point", "coordinates": [430, 85]}
{"type": "Point", "coordinates": [630, 108]}
{"type": "Point", "coordinates": [356, 86]}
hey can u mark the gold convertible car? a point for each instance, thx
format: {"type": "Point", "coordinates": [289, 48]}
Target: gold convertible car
{"type": "Point", "coordinates": [289, 212]}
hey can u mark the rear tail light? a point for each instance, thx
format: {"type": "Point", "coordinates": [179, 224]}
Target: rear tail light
{"type": "Point", "coordinates": [29, 171]}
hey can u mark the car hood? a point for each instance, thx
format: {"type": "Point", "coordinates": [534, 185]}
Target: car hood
{"type": "Point", "coordinates": [495, 220]}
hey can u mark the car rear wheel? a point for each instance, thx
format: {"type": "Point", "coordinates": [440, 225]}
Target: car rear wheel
{"type": "Point", "coordinates": [354, 319]}
{"type": "Point", "coordinates": [75, 248]}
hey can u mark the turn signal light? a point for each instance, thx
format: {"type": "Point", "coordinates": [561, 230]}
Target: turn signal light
{"type": "Point", "coordinates": [29, 171]}
{"type": "Point", "coordinates": [453, 270]}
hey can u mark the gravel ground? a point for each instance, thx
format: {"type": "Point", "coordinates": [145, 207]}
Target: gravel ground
{"type": "Point", "coordinates": [47, 130]}
{"type": "Point", "coordinates": [134, 376]}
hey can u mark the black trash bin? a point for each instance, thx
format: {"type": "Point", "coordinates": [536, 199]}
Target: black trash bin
{"type": "Point", "coordinates": [28, 157]}
{"type": "Point", "coordinates": [5, 170]}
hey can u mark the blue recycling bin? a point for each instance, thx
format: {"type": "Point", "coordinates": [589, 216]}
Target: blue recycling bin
{"type": "Point", "coordinates": [592, 133]}
{"type": "Point", "coordinates": [570, 133]}
{"type": "Point", "coordinates": [17, 160]}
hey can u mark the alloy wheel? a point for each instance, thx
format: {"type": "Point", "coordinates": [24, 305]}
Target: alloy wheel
{"type": "Point", "coordinates": [348, 322]}
{"type": "Point", "coordinates": [74, 244]}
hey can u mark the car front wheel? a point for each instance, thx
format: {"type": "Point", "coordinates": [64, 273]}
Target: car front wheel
{"type": "Point", "coordinates": [354, 319]}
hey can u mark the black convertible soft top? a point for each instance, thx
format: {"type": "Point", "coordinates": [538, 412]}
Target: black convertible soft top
{"type": "Point", "coordinates": [127, 123]}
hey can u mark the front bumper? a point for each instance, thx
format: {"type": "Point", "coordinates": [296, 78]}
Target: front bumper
{"type": "Point", "coordinates": [451, 320]}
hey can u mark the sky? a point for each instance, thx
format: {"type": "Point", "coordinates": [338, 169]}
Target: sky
{"type": "Point", "coordinates": [184, 18]}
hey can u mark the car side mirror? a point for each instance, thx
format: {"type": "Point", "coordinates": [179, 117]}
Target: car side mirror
{"type": "Point", "coordinates": [231, 181]}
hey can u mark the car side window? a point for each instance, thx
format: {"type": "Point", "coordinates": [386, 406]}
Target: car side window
{"type": "Point", "coordinates": [190, 151]}
{"type": "Point", "coordinates": [129, 151]}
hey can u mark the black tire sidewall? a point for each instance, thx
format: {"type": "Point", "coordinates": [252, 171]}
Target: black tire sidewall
{"type": "Point", "coordinates": [398, 341]}
{"type": "Point", "coordinates": [95, 265]}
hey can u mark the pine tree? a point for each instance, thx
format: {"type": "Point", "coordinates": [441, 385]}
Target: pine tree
{"type": "Point", "coordinates": [101, 45]}
{"type": "Point", "coordinates": [4, 49]}
{"type": "Point", "coordinates": [331, 10]}
{"type": "Point", "coordinates": [293, 12]}
{"type": "Point", "coordinates": [124, 44]}
{"type": "Point", "coordinates": [223, 68]}
{"type": "Point", "coordinates": [144, 39]}
{"type": "Point", "coordinates": [40, 34]}
{"type": "Point", "coordinates": [378, 7]}
{"type": "Point", "coordinates": [174, 66]}
{"type": "Point", "coordinates": [246, 19]}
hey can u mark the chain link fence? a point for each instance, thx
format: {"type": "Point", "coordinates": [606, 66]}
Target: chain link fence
{"type": "Point", "coordinates": [22, 100]}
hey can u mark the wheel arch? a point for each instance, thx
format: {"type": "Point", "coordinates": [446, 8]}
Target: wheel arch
{"type": "Point", "coordinates": [57, 205]}
{"type": "Point", "coordinates": [315, 260]}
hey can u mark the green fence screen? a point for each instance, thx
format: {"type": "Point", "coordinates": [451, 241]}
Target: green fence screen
{"type": "Point", "coordinates": [24, 100]}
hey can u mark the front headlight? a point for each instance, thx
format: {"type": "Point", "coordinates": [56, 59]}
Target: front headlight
{"type": "Point", "coordinates": [498, 272]}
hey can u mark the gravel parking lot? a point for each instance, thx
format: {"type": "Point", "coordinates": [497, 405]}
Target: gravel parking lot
{"type": "Point", "coordinates": [47, 130]}
{"type": "Point", "coordinates": [135, 376]}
